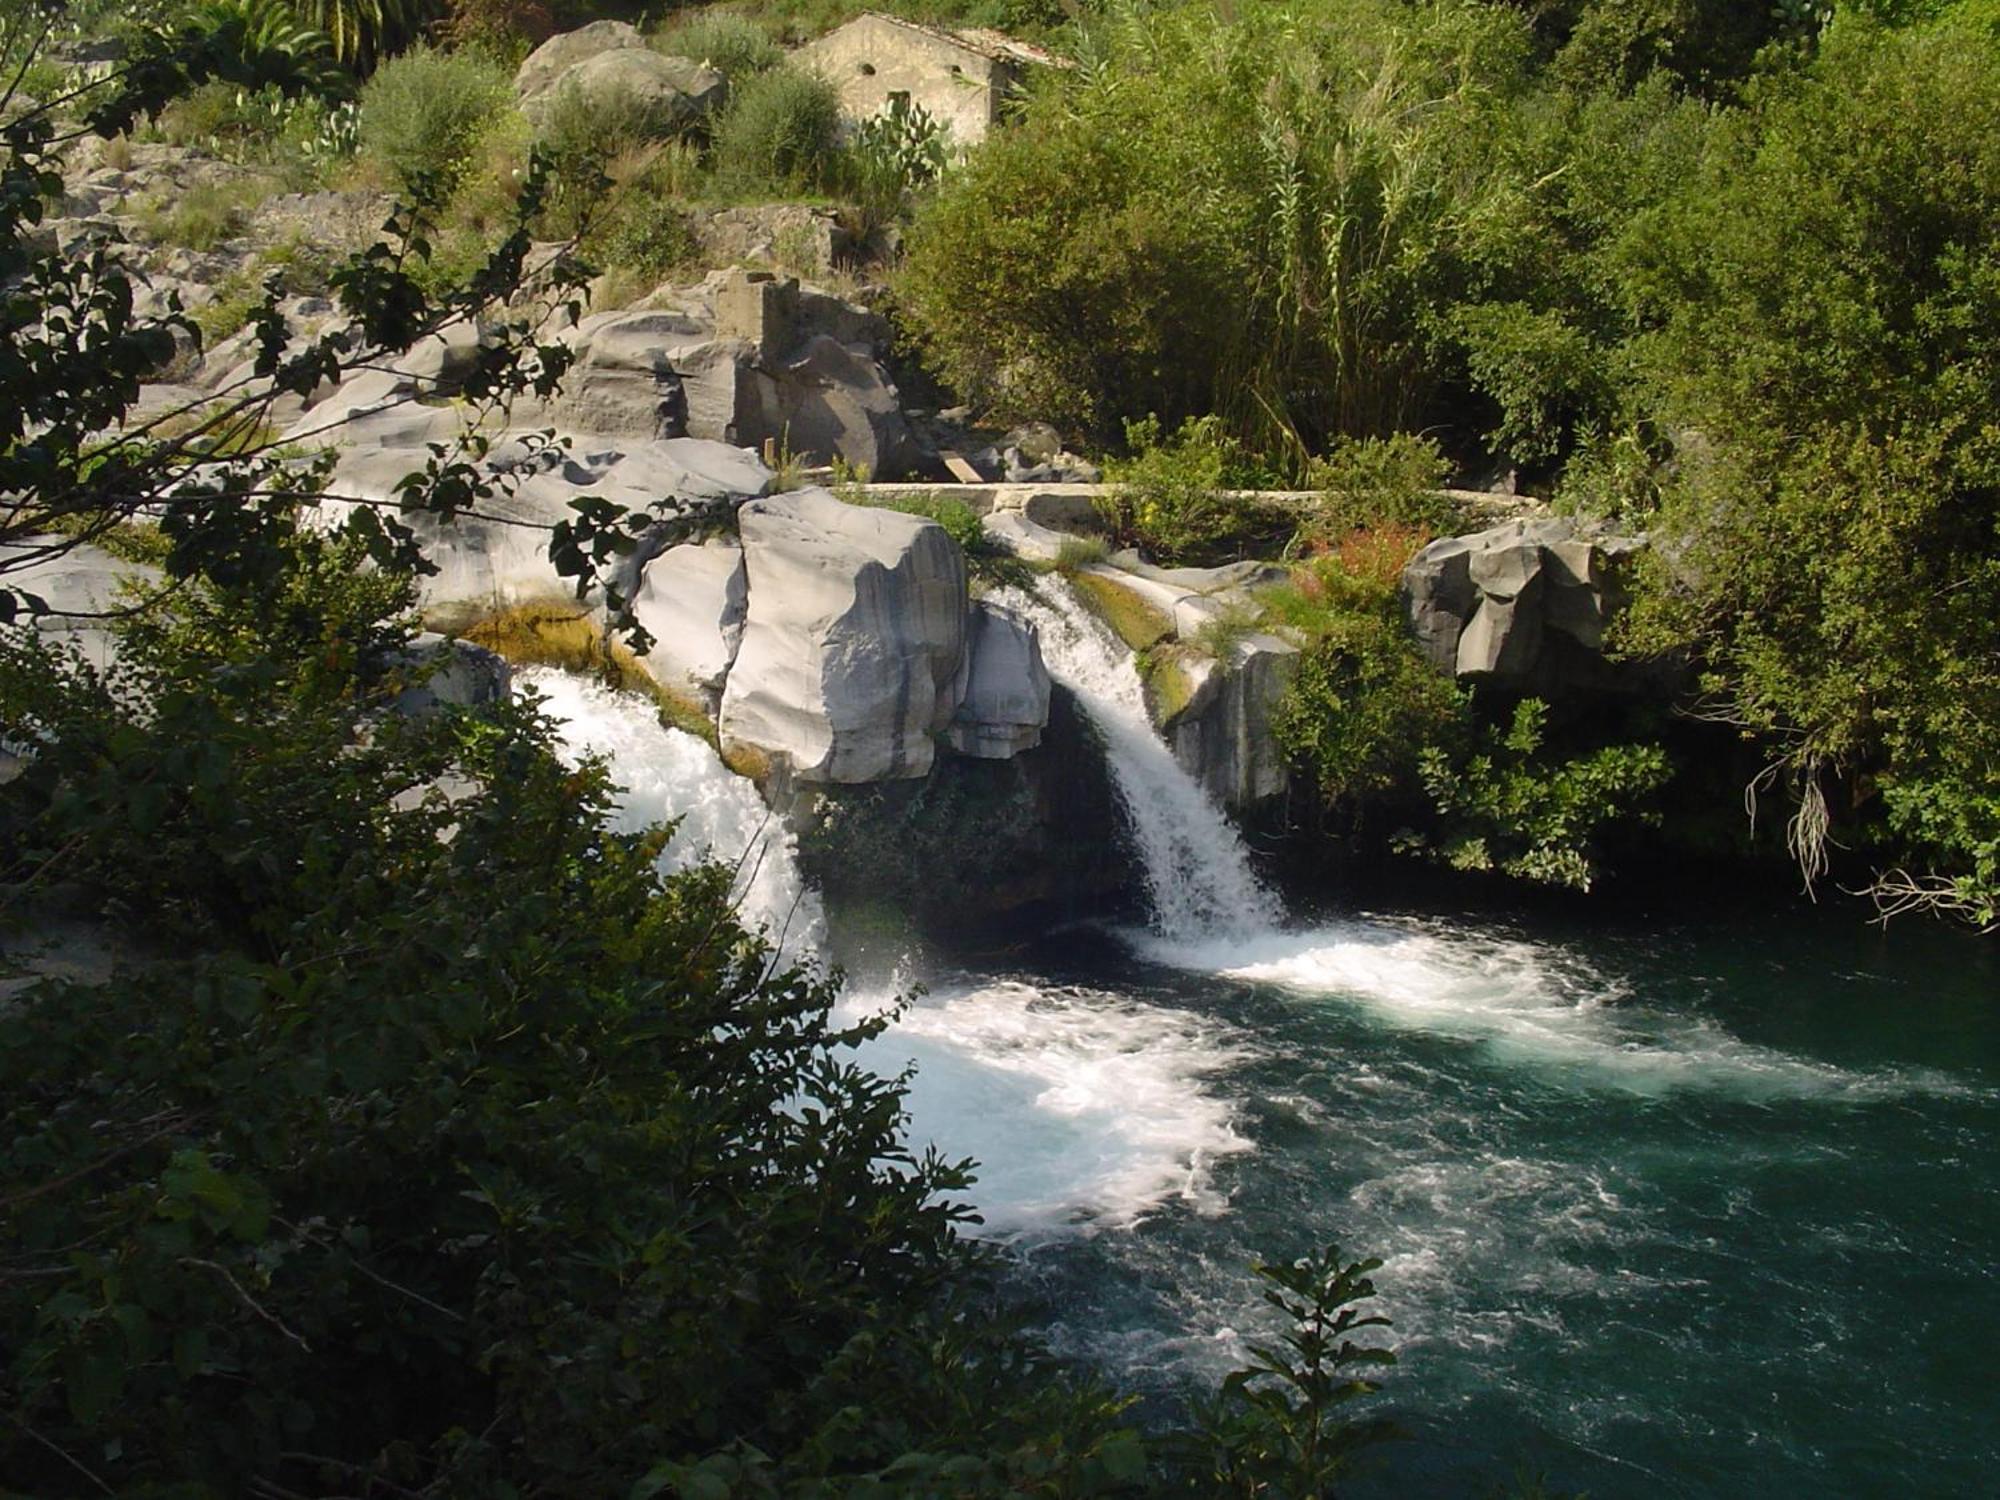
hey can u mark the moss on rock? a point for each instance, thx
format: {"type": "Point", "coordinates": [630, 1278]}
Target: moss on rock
{"type": "Point", "coordinates": [1138, 622]}
{"type": "Point", "coordinates": [558, 634]}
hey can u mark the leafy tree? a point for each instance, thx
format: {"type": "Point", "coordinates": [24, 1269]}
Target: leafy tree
{"type": "Point", "coordinates": [1247, 213]}
{"type": "Point", "coordinates": [1510, 808]}
{"type": "Point", "coordinates": [1823, 300]}
{"type": "Point", "coordinates": [465, 1147]}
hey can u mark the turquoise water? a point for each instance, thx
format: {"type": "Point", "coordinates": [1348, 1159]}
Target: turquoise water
{"type": "Point", "coordinates": [1684, 1207]}
{"type": "Point", "coordinates": [1698, 1210]}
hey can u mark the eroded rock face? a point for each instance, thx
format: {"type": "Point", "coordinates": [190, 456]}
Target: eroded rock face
{"type": "Point", "coordinates": [670, 372]}
{"type": "Point", "coordinates": [1003, 687]}
{"type": "Point", "coordinates": [833, 399]}
{"type": "Point", "coordinates": [853, 639]}
{"type": "Point", "coordinates": [693, 599]}
{"type": "Point", "coordinates": [498, 560]}
{"type": "Point", "coordinates": [623, 383]}
{"type": "Point", "coordinates": [1223, 736]}
{"type": "Point", "coordinates": [1523, 605]}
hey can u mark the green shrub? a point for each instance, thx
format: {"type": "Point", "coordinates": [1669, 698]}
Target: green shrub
{"type": "Point", "coordinates": [725, 40]}
{"type": "Point", "coordinates": [1255, 212]}
{"type": "Point", "coordinates": [1169, 496]}
{"type": "Point", "coordinates": [904, 146]}
{"type": "Point", "coordinates": [1362, 706]}
{"type": "Point", "coordinates": [586, 136]}
{"type": "Point", "coordinates": [1510, 807]}
{"type": "Point", "coordinates": [424, 113]}
{"type": "Point", "coordinates": [1372, 483]}
{"type": "Point", "coordinates": [1075, 552]}
{"type": "Point", "coordinates": [302, 266]}
{"type": "Point", "coordinates": [452, 1138]}
{"type": "Point", "coordinates": [1276, 1428]}
{"type": "Point", "coordinates": [780, 132]}
{"type": "Point", "coordinates": [1548, 377]}
{"type": "Point", "coordinates": [200, 217]}
{"type": "Point", "coordinates": [645, 237]}
{"type": "Point", "coordinates": [229, 310]}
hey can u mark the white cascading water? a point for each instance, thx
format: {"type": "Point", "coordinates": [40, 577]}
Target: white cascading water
{"type": "Point", "coordinates": [1087, 1109]}
{"type": "Point", "coordinates": [667, 774]}
{"type": "Point", "coordinates": [1198, 874]}
{"type": "Point", "coordinates": [1211, 915]}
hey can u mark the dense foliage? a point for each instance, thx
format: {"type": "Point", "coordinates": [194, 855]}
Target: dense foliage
{"type": "Point", "coordinates": [379, 1183]}
{"type": "Point", "coordinates": [1830, 365]}
{"type": "Point", "coordinates": [427, 1138]}
{"type": "Point", "coordinates": [1722, 272]}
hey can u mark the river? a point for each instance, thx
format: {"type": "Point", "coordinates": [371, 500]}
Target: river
{"type": "Point", "coordinates": [1702, 1209]}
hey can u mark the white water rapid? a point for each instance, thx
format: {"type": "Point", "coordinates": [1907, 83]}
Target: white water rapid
{"type": "Point", "coordinates": [1086, 1109]}
{"type": "Point", "coordinates": [1198, 874]}
{"type": "Point", "coordinates": [1525, 1002]}
{"type": "Point", "coordinates": [668, 773]}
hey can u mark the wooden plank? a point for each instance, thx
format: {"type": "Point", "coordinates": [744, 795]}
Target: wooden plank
{"type": "Point", "coordinates": [961, 470]}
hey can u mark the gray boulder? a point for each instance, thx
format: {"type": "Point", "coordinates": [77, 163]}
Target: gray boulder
{"type": "Point", "coordinates": [853, 640]}
{"type": "Point", "coordinates": [1523, 605]}
{"type": "Point", "coordinates": [1003, 687]}
{"type": "Point", "coordinates": [668, 93]}
{"type": "Point", "coordinates": [664, 373]}
{"type": "Point", "coordinates": [555, 57]}
{"type": "Point", "coordinates": [444, 673]}
{"type": "Point", "coordinates": [1222, 737]}
{"type": "Point", "coordinates": [833, 401]}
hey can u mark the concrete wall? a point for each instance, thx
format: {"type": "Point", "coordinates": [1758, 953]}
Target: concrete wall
{"type": "Point", "coordinates": [873, 58]}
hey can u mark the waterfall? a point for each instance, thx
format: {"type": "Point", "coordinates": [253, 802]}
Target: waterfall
{"type": "Point", "coordinates": [1198, 874]}
{"type": "Point", "coordinates": [668, 773]}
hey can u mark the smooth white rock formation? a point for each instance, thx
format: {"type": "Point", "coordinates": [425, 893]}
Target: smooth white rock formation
{"type": "Point", "coordinates": [499, 559]}
{"type": "Point", "coordinates": [1003, 687]}
{"type": "Point", "coordinates": [693, 599]}
{"type": "Point", "coordinates": [853, 640]}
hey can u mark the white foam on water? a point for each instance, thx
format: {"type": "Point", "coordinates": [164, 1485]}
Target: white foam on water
{"type": "Point", "coordinates": [668, 773]}
{"type": "Point", "coordinates": [1526, 1003]}
{"type": "Point", "coordinates": [1198, 874]}
{"type": "Point", "coordinates": [1085, 1110]}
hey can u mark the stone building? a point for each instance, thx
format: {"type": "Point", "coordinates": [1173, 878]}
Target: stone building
{"type": "Point", "coordinates": [962, 78]}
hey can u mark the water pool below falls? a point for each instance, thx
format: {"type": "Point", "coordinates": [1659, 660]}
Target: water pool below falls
{"type": "Point", "coordinates": [1703, 1210]}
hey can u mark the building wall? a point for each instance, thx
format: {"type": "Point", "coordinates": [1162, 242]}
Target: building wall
{"type": "Point", "coordinates": [873, 58]}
